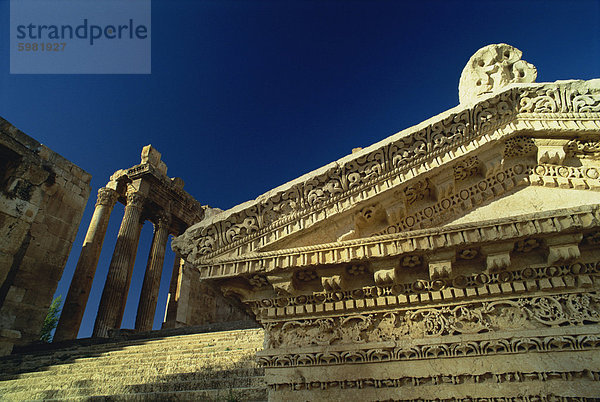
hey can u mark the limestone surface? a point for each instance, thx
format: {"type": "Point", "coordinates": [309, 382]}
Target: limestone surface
{"type": "Point", "coordinates": [42, 198]}
{"type": "Point", "coordinates": [455, 260]}
{"type": "Point", "coordinates": [213, 366]}
{"type": "Point", "coordinates": [491, 68]}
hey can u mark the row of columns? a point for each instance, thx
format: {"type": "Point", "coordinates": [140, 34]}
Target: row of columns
{"type": "Point", "coordinates": [116, 288]}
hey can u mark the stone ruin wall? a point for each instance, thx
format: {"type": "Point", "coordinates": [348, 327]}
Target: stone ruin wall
{"type": "Point", "coordinates": [192, 302]}
{"type": "Point", "coordinates": [42, 198]}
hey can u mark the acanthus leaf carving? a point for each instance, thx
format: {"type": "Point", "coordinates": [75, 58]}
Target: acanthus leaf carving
{"type": "Point", "coordinates": [521, 313]}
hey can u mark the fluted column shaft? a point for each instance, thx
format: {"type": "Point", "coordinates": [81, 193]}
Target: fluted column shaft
{"type": "Point", "coordinates": [114, 295]}
{"type": "Point", "coordinates": [79, 290]}
{"type": "Point", "coordinates": [151, 284]}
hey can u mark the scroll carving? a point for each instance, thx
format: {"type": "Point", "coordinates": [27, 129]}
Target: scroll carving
{"type": "Point", "coordinates": [521, 313]}
{"type": "Point", "coordinates": [492, 68]}
{"type": "Point", "coordinates": [436, 350]}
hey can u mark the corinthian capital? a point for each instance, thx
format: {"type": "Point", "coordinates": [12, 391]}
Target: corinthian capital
{"type": "Point", "coordinates": [107, 196]}
{"type": "Point", "coordinates": [135, 199]}
{"type": "Point", "coordinates": [163, 218]}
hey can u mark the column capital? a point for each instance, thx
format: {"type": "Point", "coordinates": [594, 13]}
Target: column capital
{"type": "Point", "coordinates": [163, 219]}
{"type": "Point", "coordinates": [106, 196]}
{"type": "Point", "coordinates": [135, 199]}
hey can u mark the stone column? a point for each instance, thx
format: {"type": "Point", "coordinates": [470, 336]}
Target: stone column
{"type": "Point", "coordinates": [114, 295]}
{"type": "Point", "coordinates": [151, 285]}
{"type": "Point", "coordinates": [171, 313]}
{"type": "Point", "coordinates": [79, 291]}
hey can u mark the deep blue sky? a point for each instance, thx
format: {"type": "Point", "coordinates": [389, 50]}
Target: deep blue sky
{"type": "Point", "coordinates": [246, 95]}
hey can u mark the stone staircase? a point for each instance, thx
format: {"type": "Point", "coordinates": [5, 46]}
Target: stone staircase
{"type": "Point", "coordinates": [213, 366]}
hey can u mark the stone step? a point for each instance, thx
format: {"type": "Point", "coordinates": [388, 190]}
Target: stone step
{"type": "Point", "coordinates": [92, 387]}
{"type": "Point", "coordinates": [189, 367]}
{"type": "Point", "coordinates": [64, 355]}
{"type": "Point", "coordinates": [80, 378]}
{"type": "Point", "coordinates": [131, 368]}
{"type": "Point", "coordinates": [200, 350]}
{"type": "Point", "coordinates": [62, 358]}
{"type": "Point", "coordinates": [140, 357]}
{"type": "Point", "coordinates": [257, 394]}
{"type": "Point", "coordinates": [181, 341]}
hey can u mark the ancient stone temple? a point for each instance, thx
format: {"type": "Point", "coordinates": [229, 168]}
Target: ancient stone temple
{"type": "Point", "coordinates": [457, 259]}
{"type": "Point", "coordinates": [148, 195]}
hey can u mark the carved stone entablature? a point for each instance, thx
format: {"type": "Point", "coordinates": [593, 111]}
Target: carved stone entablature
{"type": "Point", "coordinates": [150, 179]}
{"type": "Point", "coordinates": [388, 295]}
{"type": "Point", "coordinates": [401, 162]}
{"type": "Point", "coordinates": [523, 313]}
{"type": "Point", "coordinates": [410, 246]}
{"type": "Point", "coordinates": [469, 237]}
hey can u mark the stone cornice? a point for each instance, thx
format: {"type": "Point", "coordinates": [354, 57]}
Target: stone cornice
{"type": "Point", "coordinates": [545, 224]}
{"type": "Point", "coordinates": [561, 106]}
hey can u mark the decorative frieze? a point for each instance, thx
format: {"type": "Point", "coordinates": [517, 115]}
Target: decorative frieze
{"type": "Point", "coordinates": [466, 318]}
{"type": "Point", "coordinates": [543, 224]}
{"type": "Point", "coordinates": [403, 382]}
{"type": "Point", "coordinates": [434, 350]}
{"type": "Point", "coordinates": [399, 159]}
{"type": "Point", "coordinates": [387, 294]}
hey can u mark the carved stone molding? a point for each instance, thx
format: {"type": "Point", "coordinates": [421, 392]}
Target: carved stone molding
{"type": "Point", "coordinates": [508, 314]}
{"type": "Point", "coordinates": [400, 158]}
{"type": "Point", "coordinates": [404, 382]}
{"type": "Point", "coordinates": [387, 294]}
{"type": "Point", "coordinates": [543, 224]}
{"type": "Point", "coordinates": [436, 350]}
